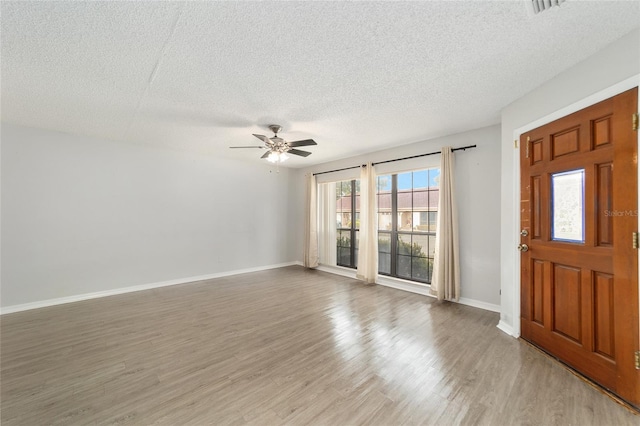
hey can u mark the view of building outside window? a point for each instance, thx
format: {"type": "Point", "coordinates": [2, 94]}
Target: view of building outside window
{"type": "Point", "coordinates": [407, 208]}
{"type": "Point", "coordinates": [347, 223]}
{"type": "Point", "coordinates": [407, 214]}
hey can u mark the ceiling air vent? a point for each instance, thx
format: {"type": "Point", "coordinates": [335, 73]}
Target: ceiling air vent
{"type": "Point", "coordinates": [542, 5]}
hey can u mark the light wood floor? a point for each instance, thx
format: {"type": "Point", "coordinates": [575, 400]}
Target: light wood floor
{"type": "Point", "coordinates": [285, 346]}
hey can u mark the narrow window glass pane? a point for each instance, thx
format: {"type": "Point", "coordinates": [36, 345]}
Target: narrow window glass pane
{"type": "Point", "coordinates": [344, 256]}
{"type": "Point", "coordinates": [420, 208]}
{"type": "Point", "coordinates": [345, 203]}
{"type": "Point", "coordinates": [405, 181]}
{"type": "Point", "coordinates": [403, 268]}
{"type": "Point", "coordinates": [405, 222]}
{"type": "Point", "coordinates": [384, 221]}
{"type": "Point", "coordinates": [420, 201]}
{"type": "Point", "coordinates": [434, 178]}
{"type": "Point", "coordinates": [404, 244]}
{"type": "Point", "coordinates": [420, 268]}
{"type": "Point", "coordinates": [384, 183]}
{"type": "Point", "coordinates": [357, 211]}
{"type": "Point", "coordinates": [344, 239]}
{"type": "Point", "coordinates": [420, 179]}
{"type": "Point", "coordinates": [405, 201]}
{"type": "Point", "coordinates": [342, 203]}
{"type": "Point", "coordinates": [384, 263]}
{"type": "Point", "coordinates": [420, 245]}
{"type": "Point", "coordinates": [424, 221]}
{"type": "Point", "coordinates": [432, 246]}
{"type": "Point", "coordinates": [568, 206]}
{"type": "Point", "coordinates": [384, 201]}
{"type": "Point", "coordinates": [346, 219]}
{"type": "Point", "coordinates": [357, 186]}
{"type": "Point", "coordinates": [384, 242]}
{"type": "Point", "coordinates": [433, 199]}
{"type": "Point", "coordinates": [346, 188]}
{"type": "Point", "coordinates": [433, 221]}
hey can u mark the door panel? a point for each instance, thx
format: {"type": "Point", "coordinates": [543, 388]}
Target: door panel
{"type": "Point", "coordinates": [602, 131]}
{"type": "Point", "coordinates": [565, 143]}
{"type": "Point", "coordinates": [579, 278]}
{"type": "Point", "coordinates": [603, 315]}
{"type": "Point", "coordinates": [567, 302]}
{"type": "Point", "coordinates": [537, 281]}
{"type": "Point", "coordinates": [604, 203]}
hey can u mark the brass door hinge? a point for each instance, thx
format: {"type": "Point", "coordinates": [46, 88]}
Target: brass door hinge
{"type": "Point", "coordinates": [634, 240]}
{"type": "Point", "coordinates": [515, 143]}
{"type": "Point", "coordinates": [637, 357]}
{"type": "Point", "coordinates": [526, 148]}
{"type": "Point", "coordinates": [634, 121]}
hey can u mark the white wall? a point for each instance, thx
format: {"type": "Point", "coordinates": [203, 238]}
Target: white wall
{"type": "Point", "coordinates": [478, 181]}
{"type": "Point", "coordinates": [83, 215]}
{"type": "Point", "coordinates": [617, 63]}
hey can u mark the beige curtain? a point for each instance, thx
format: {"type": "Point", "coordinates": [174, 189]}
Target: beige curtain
{"type": "Point", "coordinates": [445, 281]}
{"type": "Point", "coordinates": [327, 223]}
{"type": "Point", "coordinates": [368, 246]}
{"type": "Point", "coordinates": [311, 224]}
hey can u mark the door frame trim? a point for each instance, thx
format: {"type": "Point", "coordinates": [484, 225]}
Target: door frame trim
{"type": "Point", "coordinates": [607, 93]}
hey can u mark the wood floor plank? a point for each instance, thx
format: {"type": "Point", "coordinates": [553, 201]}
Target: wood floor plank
{"type": "Point", "coordinates": [284, 346]}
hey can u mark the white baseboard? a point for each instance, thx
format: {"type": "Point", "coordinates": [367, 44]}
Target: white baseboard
{"type": "Point", "coordinates": [506, 328]}
{"type": "Point", "coordinates": [337, 270]}
{"type": "Point", "coordinates": [122, 290]}
{"type": "Point", "coordinates": [479, 304]}
{"type": "Point", "coordinates": [404, 285]}
{"type": "Point", "coordinates": [422, 289]}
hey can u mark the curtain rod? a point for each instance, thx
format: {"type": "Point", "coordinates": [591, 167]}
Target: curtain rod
{"type": "Point", "coordinates": [462, 148]}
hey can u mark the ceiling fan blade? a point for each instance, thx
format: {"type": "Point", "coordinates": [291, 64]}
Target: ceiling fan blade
{"type": "Point", "coordinates": [266, 154]}
{"type": "Point", "coordinates": [306, 142]}
{"type": "Point", "coordinates": [253, 146]}
{"type": "Point", "coordinates": [299, 152]}
{"type": "Point", "coordinates": [263, 138]}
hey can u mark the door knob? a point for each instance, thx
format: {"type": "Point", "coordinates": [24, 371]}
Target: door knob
{"type": "Point", "coordinates": [523, 247]}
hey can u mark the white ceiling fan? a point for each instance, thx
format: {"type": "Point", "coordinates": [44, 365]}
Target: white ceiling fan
{"type": "Point", "coordinates": [277, 148]}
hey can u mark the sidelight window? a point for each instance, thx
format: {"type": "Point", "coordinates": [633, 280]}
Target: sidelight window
{"type": "Point", "coordinates": [347, 222]}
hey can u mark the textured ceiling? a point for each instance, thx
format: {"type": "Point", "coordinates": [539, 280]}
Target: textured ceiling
{"type": "Point", "coordinates": [354, 76]}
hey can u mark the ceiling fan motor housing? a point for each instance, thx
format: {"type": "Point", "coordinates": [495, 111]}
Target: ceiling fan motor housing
{"type": "Point", "coordinates": [275, 128]}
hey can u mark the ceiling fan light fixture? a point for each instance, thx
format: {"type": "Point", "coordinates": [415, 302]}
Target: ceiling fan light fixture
{"type": "Point", "coordinates": [277, 157]}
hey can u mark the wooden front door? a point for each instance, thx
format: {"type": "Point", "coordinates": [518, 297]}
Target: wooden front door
{"type": "Point", "coordinates": [579, 271]}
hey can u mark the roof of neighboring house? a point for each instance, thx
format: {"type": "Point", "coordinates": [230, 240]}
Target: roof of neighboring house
{"type": "Point", "coordinates": [422, 200]}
